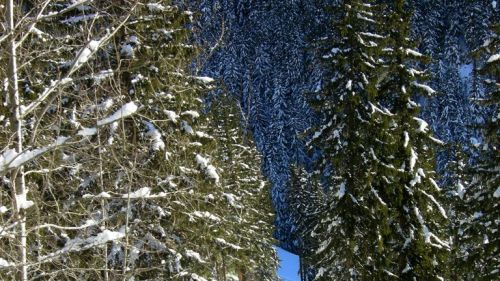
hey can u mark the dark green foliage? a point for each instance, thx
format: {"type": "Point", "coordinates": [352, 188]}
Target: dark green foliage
{"type": "Point", "coordinates": [383, 219]}
{"type": "Point", "coordinates": [479, 236]}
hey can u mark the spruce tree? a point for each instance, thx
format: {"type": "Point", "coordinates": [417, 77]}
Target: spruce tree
{"type": "Point", "coordinates": [480, 238]}
{"type": "Point", "coordinates": [459, 212]}
{"type": "Point", "coordinates": [383, 218]}
{"type": "Point", "coordinates": [243, 243]}
{"type": "Point", "coordinates": [417, 220]}
{"type": "Point", "coordinates": [347, 231]}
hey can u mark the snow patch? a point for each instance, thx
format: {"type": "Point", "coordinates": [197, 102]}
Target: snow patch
{"type": "Point", "coordinates": [79, 244]}
{"type": "Point", "coordinates": [413, 53]}
{"type": "Point", "coordinates": [140, 193]}
{"type": "Point", "coordinates": [206, 215]}
{"type": "Point", "coordinates": [232, 199]}
{"type": "Point", "coordinates": [426, 88]}
{"type": "Point", "coordinates": [497, 192]}
{"type": "Point", "coordinates": [125, 111]}
{"type": "Point", "coordinates": [10, 159]}
{"type": "Point", "coordinates": [422, 125]}
{"type": "Point", "coordinates": [341, 191]}
{"type": "Point", "coordinates": [86, 52]}
{"type": "Point", "coordinates": [493, 58]}
{"type": "Point", "coordinates": [22, 202]}
{"type": "Point", "coordinates": [413, 159]}
{"type": "Point", "coordinates": [191, 113]}
{"type": "Point", "coordinates": [194, 255]}
{"type": "Point", "coordinates": [187, 128]}
{"type": "Point", "coordinates": [407, 139]}
{"type": "Point", "coordinates": [155, 136]}
{"type": "Point", "coordinates": [103, 195]}
{"type": "Point", "coordinates": [210, 170]}
{"type": "Point", "coordinates": [223, 242]}
{"type": "Point", "coordinates": [155, 7]}
{"type": "Point", "coordinates": [205, 79]}
{"type": "Point", "coordinates": [127, 51]}
{"type": "Point", "coordinates": [85, 132]}
{"type": "Point", "coordinates": [5, 263]}
{"type": "Point", "coordinates": [171, 116]}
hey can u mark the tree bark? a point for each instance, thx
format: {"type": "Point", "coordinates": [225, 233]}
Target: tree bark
{"type": "Point", "coordinates": [242, 274]}
{"type": "Point", "coordinates": [18, 182]}
{"type": "Point", "coordinates": [223, 269]}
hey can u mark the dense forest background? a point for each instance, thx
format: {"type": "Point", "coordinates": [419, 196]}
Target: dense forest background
{"type": "Point", "coordinates": [264, 52]}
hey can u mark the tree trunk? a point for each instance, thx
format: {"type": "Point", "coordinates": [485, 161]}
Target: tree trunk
{"type": "Point", "coordinates": [301, 268]}
{"type": "Point", "coordinates": [18, 182]}
{"type": "Point", "coordinates": [242, 274]}
{"type": "Point", "coordinates": [223, 269]}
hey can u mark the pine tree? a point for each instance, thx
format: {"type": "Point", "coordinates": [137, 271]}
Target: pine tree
{"type": "Point", "coordinates": [448, 112]}
{"type": "Point", "coordinates": [306, 202]}
{"type": "Point", "coordinates": [347, 231]}
{"type": "Point", "coordinates": [480, 241]}
{"type": "Point", "coordinates": [417, 220]}
{"type": "Point", "coordinates": [242, 243]}
{"type": "Point", "coordinates": [261, 55]}
{"type": "Point", "coordinates": [383, 219]}
{"type": "Point", "coordinates": [455, 190]}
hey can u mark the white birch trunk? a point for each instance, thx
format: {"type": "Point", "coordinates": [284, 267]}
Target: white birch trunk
{"type": "Point", "coordinates": [18, 182]}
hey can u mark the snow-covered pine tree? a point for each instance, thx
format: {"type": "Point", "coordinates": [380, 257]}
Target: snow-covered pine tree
{"type": "Point", "coordinates": [458, 211]}
{"type": "Point", "coordinates": [448, 112]}
{"type": "Point", "coordinates": [245, 243]}
{"type": "Point", "coordinates": [480, 241]}
{"type": "Point", "coordinates": [351, 119]}
{"type": "Point", "coordinates": [306, 202]}
{"type": "Point", "coordinates": [417, 223]}
{"type": "Point", "coordinates": [426, 22]}
{"type": "Point", "coordinates": [383, 219]}
{"type": "Point", "coordinates": [261, 55]}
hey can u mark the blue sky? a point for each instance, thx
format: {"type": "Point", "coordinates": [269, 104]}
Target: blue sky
{"type": "Point", "coordinates": [289, 266]}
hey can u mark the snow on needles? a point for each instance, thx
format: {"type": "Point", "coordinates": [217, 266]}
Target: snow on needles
{"type": "Point", "coordinates": [205, 79]}
{"type": "Point", "coordinates": [497, 193]}
{"type": "Point", "coordinates": [194, 255]}
{"type": "Point", "coordinates": [79, 244]}
{"type": "Point", "coordinates": [125, 111]}
{"type": "Point", "coordinates": [154, 134]}
{"type": "Point", "coordinates": [493, 58]}
{"type": "Point", "coordinates": [86, 52]}
{"type": "Point", "coordinates": [140, 193]}
{"type": "Point", "coordinates": [422, 125]}
{"type": "Point", "coordinates": [210, 170]}
{"type": "Point", "coordinates": [11, 159]}
{"type": "Point", "coordinates": [156, 7]}
{"type": "Point", "coordinates": [426, 88]}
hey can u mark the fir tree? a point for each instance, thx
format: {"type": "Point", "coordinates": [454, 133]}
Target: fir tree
{"type": "Point", "coordinates": [459, 212]}
{"type": "Point", "coordinates": [348, 230]}
{"type": "Point", "coordinates": [243, 201]}
{"type": "Point", "coordinates": [480, 241]}
{"type": "Point", "coordinates": [417, 220]}
{"type": "Point", "coordinates": [383, 219]}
